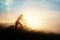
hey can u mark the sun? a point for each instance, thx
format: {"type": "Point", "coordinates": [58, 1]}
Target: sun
{"type": "Point", "coordinates": [32, 21]}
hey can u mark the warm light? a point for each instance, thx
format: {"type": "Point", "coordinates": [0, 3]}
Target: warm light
{"type": "Point", "coordinates": [32, 21]}
{"type": "Point", "coordinates": [33, 18]}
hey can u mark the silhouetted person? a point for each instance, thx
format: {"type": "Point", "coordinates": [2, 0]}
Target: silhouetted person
{"type": "Point", "coordinates": [18, 21]}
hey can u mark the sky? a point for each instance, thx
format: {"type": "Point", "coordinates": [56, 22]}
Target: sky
{"type": "Point", "coordinates": [46, 12]}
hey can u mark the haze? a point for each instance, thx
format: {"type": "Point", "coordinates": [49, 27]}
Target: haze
{"type": "Point", "coordinates": [40, 14]}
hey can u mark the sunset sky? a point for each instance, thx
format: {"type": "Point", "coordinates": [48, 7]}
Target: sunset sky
{"type": "Point", "coordinates": [45, 13]}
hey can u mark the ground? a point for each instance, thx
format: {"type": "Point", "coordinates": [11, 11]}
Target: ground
{"type": "Point", "coordinates": [11, 33]}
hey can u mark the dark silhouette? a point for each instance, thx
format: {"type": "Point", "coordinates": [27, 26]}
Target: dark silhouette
{"type": "Point", "coordinates": [11, 33]}
{"type": "Point", "coordinates": [21, 23]}
{"type": "Point", "coordinates": [18, 21]}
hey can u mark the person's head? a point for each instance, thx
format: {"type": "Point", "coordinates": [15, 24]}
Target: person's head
{"type": "Point", "coordinates": [21, 15]}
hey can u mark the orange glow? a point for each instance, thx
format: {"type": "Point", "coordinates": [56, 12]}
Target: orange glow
{"type": "Point", "coordinates": [32, 22]}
